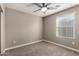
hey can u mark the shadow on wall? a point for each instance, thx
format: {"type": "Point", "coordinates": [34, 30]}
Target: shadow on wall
{"type": "Point", "coordinates": [0, 28]}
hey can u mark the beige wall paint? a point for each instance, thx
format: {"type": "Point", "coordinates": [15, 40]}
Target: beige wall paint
{"type": "Point", "coordinates": [21, 28]}
{"type": "Point", "coordinates": [49, 31]}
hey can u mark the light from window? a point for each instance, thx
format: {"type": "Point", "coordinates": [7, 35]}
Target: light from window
{"type": "Point", "coordinates": [65, 26]}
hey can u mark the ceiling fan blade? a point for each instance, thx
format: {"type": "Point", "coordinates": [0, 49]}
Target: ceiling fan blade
{"type": "Point", "coordinates": [37, 4]}
{"type": "Point", "coordinates": [36, 10]}
{"type": "Point", "coordinates": [50, 8]}
{"type": "Point", "coordinates": [47, 4]}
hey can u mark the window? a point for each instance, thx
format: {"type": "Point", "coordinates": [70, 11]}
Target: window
{"type": "Point", "coordinates": [65, 26]}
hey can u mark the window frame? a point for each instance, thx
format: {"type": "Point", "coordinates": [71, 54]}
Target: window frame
{"type": "Point", "coordinates": [57, 34]}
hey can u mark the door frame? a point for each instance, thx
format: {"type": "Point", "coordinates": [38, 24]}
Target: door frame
{"type": "Point", "coordinates": [2, 28]}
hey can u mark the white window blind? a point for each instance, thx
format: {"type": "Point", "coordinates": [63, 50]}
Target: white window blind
{"type": "Point", "coordinates": [65, 26]}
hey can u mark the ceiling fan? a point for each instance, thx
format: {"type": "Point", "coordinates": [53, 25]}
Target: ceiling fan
{"type": "Point", "coordinates": [44, 7]}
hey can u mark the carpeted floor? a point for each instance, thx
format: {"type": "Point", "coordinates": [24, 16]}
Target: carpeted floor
{"type": "Point", "coordinates": [40, 49]}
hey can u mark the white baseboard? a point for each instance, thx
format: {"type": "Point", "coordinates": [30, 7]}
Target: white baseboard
{"type": "Point", "coordinates": [3, 52]}
{"type": "Point", "coordinates": [62, 45]}
{"type": "Point", "coordinates": [40, 41]}
{"type": "Point", "coordinates": [22, 45]}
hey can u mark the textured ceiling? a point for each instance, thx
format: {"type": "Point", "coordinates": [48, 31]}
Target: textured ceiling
{"type": "Point", "coordinates": [30, 7]}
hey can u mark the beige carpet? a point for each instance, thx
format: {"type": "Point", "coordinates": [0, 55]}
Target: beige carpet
{"type": "Point", "coordinates": [40, 49]}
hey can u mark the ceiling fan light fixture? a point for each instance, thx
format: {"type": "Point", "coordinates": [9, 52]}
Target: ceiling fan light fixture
{"type": "Point", "coordinates": [43, 9]}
